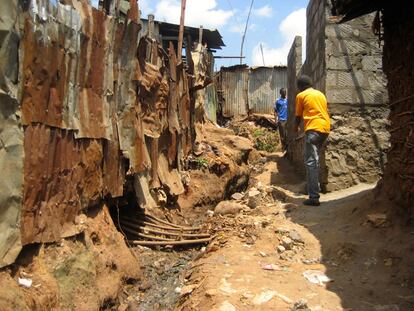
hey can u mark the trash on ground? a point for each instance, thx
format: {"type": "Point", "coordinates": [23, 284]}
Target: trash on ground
{"type": "Point", "coordinates": [271, 267]}
{"type": "Point", "coordinates": [264, 297]}
{"type": "Point", "coordinates": [316, 277]}
{"type": "Point", "coordinates": [25, 282]}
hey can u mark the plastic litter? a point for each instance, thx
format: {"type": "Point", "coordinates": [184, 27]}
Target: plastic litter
{"type": "Point", "coordinates": [316, 277]}
{"type": "Point", "coordinates": [25, 282]}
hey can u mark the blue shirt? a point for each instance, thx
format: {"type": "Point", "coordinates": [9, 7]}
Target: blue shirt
{"type": "Point", "coordinates": [281, 108]}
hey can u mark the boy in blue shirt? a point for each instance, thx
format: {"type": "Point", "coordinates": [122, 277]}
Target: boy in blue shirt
{"type": "Point", "coordinates": [281, 115]}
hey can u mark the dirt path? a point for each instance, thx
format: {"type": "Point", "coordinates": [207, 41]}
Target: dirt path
{"type": "Point", "coordinates": [258, 260]}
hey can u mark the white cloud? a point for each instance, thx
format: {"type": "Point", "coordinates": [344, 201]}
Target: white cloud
{"type": "Point", "coordinates": [197, 13]}
{"type": "Point", "coordinates": [264, 11]}
{"type": "Point", "coordinates": [144, 6]}
{"type": "Point", "coordinates": [293, 25]}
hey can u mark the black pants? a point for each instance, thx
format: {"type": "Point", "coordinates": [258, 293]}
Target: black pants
{"type": "Point", "coordinates": [283, 133]}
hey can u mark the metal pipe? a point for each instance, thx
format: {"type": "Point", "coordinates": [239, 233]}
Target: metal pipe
{"type": "Point", "coordinates": [171, 224]}
{"type": "Point", "coordinates": [188, 235]}
{"type": "Point", "coordinates": [166, 243]}
{"type": "Point", "coordinates": [131, 230]}
{"type": "Point", "coordinates": [152, 224]}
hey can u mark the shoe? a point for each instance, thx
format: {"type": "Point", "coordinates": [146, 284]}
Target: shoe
{"type": "Point", "coordinates": [312, 202]}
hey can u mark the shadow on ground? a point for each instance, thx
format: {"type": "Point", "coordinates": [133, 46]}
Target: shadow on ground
{"type": "Point", "coordinates": [370, 259]}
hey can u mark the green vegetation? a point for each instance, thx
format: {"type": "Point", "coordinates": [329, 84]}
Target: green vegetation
{"type": "Point", "coordinates": [201, 163]}
{"type": "Point", "coordinates": [266, 140]}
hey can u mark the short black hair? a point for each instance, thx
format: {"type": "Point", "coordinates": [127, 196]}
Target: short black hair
{"type": "Point", "coordinates": [304, 82]}
{"type": "Point", "coordinates": [282, 90]}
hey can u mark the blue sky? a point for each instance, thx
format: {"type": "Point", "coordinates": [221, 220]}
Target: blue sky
{"type": "Point", "coordinates": [273, 24]}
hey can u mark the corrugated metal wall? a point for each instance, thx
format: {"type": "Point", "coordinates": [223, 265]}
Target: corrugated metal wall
{"type": "Point", "coordinates": [264, 86]}
{"type": "Point", "coordinates": [253, 90]}
{"type": "Point", "coordinates": [234, 84]}
{"type": "Point", "coordinates": [96, 105]}
{"type": "Point", "coordinates": [210, 104]}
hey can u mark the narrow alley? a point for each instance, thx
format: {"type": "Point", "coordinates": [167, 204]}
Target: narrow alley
{"type": "Point", "coordinates": [163, 155]}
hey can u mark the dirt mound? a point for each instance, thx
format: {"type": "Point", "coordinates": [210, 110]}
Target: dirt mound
{"type": "Point", "coordinates": [85, 272]}
{"type": "Point", "coordinates": [218, 167]}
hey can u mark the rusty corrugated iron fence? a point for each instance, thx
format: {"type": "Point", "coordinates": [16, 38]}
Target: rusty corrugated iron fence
{"type": "Point", "coordinates": [85, 103]}
{"type": "Point", "coordinates": [243, 90]}
{"type": "Point", "coordinates": [264, 87]}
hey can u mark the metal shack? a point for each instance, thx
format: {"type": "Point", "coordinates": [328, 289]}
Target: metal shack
{"type": "Point", "coordinates": [243, 90]}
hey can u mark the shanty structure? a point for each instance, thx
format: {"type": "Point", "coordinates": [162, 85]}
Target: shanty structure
{"type": "Point", "coordinates": [243, 90]}
{"type": "Point", "coordinates": [92, 105]}
{"type": "Point", "coordinates": [165, 32]}
{"type": "Point", "coordinates": [394, 25]}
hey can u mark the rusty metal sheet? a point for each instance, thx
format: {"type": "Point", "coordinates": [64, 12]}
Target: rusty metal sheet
{"type": "Point", "coordinates": [94, 98]}
{"type": "Point", "coordinates": [113, 167]}
{"type": "Point", "coordinates": [169, 177]}
{"type": "Point", "coordinates": [66, 60]}
{"type": "Point", "coordinates": [264, 87]}
{"type": "Point", "coordinates": [62, 175]}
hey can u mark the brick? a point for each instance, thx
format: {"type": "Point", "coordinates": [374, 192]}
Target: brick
{"type": "Point", "coordinates": [338, 63]}
{"type": "Point", "coordinates": [354, 79]}
{"type": "Point", "coordinates": [372, 63]}
{"type": "Point", "coordinates": [340, 95]}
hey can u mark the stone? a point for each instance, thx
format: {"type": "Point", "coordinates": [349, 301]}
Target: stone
{"type": "Point", "coordinates": [280, 249]}
{"type": "Point", "coordinates": [254, 197]}
{"type": "Point", "coordinates": [237, 196]}
{"type": "Point", "coordinates": [227, 306]}
{"type": "Point", "coordinates": [211, 293]}
{"type": "Point", "coordinates": [301, 304]}
{"type": "Point", "coordinates": [378, 220]}
{"type": "Point", "coordinates": [263, 254]}
{"type": "Point", "coordinates": [282, 230]}
{"type": "Point", "coordinates": [287, 243]}
{"type": "Point", "coordinates": [228, 208]}
{"type": "Point", "coordinates": [295, 236]}
{"type": "Point", "coordinates": [253, 192]}
{"type": "Point", "coordinates": [264, 297]}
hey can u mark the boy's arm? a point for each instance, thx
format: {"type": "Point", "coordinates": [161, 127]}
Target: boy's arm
{"type": "Point", "coordinates": [298, 113]}
{"type": "Point", "coordinates": [276, 114]}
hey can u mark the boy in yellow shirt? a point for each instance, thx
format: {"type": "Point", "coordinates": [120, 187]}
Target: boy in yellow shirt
{"type": "Point", "coordinates": [312, 107]}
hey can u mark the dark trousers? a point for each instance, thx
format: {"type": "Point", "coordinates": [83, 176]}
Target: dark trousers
{"type": "Point", "coordinates": [314, 141]}
{"type": "Point", "coordinates": [283, 133]}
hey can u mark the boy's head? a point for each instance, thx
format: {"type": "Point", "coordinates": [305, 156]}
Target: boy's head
{"type": "Point", "coordinates": [304, 82]}
{"type": "Point", "coordinates": [282, 92]}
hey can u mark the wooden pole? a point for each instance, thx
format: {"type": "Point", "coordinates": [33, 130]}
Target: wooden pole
{"type": "Point", "coordinates": [181, 33]}
{"type": "Point", "coordinates": [151, 26]}
{"type": "Point", "coordinates": [200, 34]}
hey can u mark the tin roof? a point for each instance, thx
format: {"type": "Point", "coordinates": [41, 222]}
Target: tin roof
{"type": "Point", "coordinates": [211, 37]}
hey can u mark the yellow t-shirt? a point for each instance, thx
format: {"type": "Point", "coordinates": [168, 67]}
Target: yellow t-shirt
{"type": "Point", "coordinates": [311, 104]}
